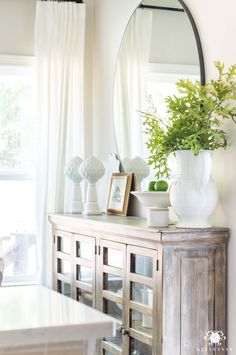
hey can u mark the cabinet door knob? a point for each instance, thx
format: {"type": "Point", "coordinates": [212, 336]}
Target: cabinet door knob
{"type": "Point", "coordinates": [120, 329]}
{"type": "Point", "coordinates": [125, 332]}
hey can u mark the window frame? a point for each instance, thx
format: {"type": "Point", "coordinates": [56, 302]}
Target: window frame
{"type": "Point", "coordinates": [166, 73]}
{"type": "Point", "coordinates": [16, 65]}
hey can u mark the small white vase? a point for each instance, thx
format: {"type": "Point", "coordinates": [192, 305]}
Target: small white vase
{"type": "Point", "coordinates": [193, 195]}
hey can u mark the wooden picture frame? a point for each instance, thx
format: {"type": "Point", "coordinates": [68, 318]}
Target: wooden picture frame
{"type": "Point", "coordinates": [119, 193]}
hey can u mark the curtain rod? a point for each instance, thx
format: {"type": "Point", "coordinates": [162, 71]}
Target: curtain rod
{"type": "Point", "coordinates": [165, 8]}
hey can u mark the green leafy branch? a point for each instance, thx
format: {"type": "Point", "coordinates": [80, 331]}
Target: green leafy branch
{"type": "Point", "coordinates": [195, 119]}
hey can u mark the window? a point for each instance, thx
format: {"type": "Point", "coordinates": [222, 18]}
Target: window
{"type": "Point", "coordinates": [17, 169]}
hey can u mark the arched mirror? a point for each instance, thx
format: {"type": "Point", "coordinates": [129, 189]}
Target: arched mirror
{"type": "Point", "coordinates": [160, 45]}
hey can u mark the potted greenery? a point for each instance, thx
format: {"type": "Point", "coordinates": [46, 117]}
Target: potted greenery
{"type": "Point", "coordinates": [193, 130]}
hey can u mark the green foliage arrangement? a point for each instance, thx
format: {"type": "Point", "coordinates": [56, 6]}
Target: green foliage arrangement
{"type": "Point", "coordinates": [195, 118]}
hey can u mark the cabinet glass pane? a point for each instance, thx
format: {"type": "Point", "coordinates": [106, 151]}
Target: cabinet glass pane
{"type": "Point", "coordinates": [113, 309]}
{"type": "Point", "coordinates": [84, 250]}
{"type": "Point", "coordinates": [112, 283]}
{"type": "Point", "coordinates": [141, 265]}
{"type": "Point", "coordinates": [84, 274]}
{"type": "Point", "coordinates": [84, 297]}
{"type": "Point", "coordinates": [116, 340]}
{"type": "Point", "coordinates": [141, 322]}
{"type": "Point", "coordinates": [64, 245]}
{"type": "Point", "coordinates": [139, 348]}
{"type": "Point", "coordinates": [141, 294]}
{"type": "Point", "coordinates": [64, 288]}
{"type": "Point", "coordinates": [113, 257]}
{"type": "Point", "coordinates": [105, 352]}
{"type": "Point", "coordinates": [64, 267]}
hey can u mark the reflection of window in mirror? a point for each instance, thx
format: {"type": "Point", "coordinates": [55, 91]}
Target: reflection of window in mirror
{"type": "Point", "coordinates": [158, 48]}
{"type": "Point", "coordinates": [161, 80]}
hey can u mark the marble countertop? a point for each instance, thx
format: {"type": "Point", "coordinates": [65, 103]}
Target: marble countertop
{"type": "Point", "coordinates": [31, 315]}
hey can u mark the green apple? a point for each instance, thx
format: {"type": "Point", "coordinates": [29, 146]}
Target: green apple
{"type": "Point", "coordinates": [161, 185]}
{"type": "Point", "coordinates": [151, 186]}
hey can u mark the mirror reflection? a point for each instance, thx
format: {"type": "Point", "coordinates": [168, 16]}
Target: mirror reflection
{"type": "Point", "coordinates": [158, 48]}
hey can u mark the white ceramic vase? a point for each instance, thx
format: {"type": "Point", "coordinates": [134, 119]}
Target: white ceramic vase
{"type": "Point", "coordinates": [193, 195]}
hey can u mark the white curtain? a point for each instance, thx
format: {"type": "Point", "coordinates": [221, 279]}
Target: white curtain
{"type": "Point", "coordinates": [131, 83]}
{"type": "Point", "coordinates": [59, 51]}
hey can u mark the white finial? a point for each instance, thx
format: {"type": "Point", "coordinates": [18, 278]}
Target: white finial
{"type": "Point", "coordinates": [71, 170]}
{"type": "Point", "coordinates": [91, 170]}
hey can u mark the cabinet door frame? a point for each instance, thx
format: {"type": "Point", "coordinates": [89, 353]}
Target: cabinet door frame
{"type": "Point", "coordinates": [155, 283]}
{"type": "Point", "coordinates": [79, 261]}
{"type": "Point", "coordinates": [58, 254]}
{"type": "Point", "coordinates": [104, 294]}
{"type": "Point", "coordinates": [192, 273]}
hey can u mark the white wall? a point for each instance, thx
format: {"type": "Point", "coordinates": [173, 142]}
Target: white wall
{"type": "Point", "coordinates": [217, 27]}
{"type": "Point", "coordinates": [17, 27]}
{"type": "Point", "coordinates": [110, 20]}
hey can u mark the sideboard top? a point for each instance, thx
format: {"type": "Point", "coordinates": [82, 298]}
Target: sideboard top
{"type": "Point", "coordinates": [134, 227]}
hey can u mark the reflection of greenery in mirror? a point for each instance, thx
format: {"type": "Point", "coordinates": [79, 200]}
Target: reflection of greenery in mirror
{"type": "Point", "coordinates": [158, 48]}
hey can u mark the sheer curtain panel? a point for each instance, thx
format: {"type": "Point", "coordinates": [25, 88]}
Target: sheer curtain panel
{"type": "Point", "coordinates": [59, 51]}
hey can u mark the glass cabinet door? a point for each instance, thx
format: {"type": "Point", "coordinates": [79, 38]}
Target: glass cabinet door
{"type": "Point", "coordinates": [63, 261]}
{"type": "Point", "coordinates": [111, 293]}
{"type": "Point", "coordinates": [119, 280]}
{"type": "Point", "coordinates": [85, 257]}
{"type": "Point", "coordinates": [142, 306]}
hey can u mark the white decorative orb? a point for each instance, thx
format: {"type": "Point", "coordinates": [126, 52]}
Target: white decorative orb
{"type": "Point", "coordinates": [126, 164]}
{"type": "Point", "coordinates": [71, 169]}
{"type": "Point", "coordinates": [139, 167]}
{"type": "Point", "coordinates": [92, 169]}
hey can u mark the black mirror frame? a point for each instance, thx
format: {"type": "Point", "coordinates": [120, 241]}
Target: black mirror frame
{"type": "Point", "coordinates": [198, 41]}
{"type": "Point", "coordinates": [200, 57]}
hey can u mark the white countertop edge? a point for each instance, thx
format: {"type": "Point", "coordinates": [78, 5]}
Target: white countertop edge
{"type": "Point", "coordinates": [36, 315]}
{"type": "Point", "coordinates": [50, 335]}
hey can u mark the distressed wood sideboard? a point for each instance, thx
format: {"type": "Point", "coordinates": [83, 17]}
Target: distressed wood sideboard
{"type": "Point", "coordinates": [164, 287]}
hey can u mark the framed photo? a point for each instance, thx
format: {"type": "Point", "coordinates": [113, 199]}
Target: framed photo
{"type": "Point", "coordinates": [118, 198]}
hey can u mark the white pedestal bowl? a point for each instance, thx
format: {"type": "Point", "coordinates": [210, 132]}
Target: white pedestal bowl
{"type": "Point", "coordinates": [159, 200]}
